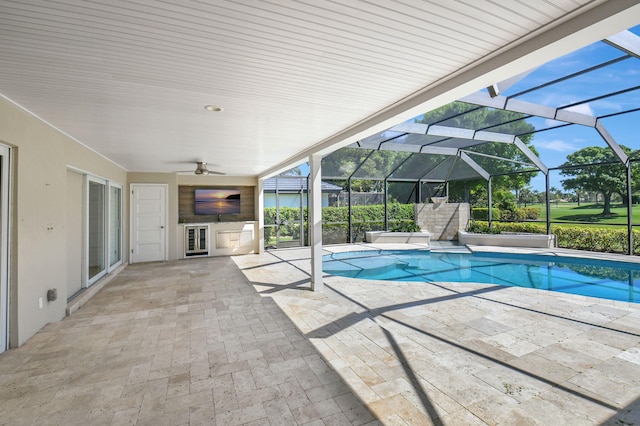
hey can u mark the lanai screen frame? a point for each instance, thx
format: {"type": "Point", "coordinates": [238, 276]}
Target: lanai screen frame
{"type": "Point", "coordinates": [458, 143]}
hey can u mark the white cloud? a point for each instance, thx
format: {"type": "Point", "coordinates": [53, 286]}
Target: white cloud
{"type": "Point", "coordinates": [582, 109]}
{"type": "Point", "coordinates": [552, 123]}
{"type": "Point", "coordinates": [608, 106]}
{"type": "Point", "coordinates": [556, 145]}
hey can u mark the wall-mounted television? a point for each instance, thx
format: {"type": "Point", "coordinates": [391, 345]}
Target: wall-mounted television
{"type": "Point", "coordinates": [217, 201]}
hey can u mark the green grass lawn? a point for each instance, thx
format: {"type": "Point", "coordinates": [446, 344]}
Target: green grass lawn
{"type": "Point", "coordinates": [588, 213]}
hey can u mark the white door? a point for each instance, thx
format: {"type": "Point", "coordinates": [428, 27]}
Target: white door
{"type": "Point", "coordinates": [148, 222]}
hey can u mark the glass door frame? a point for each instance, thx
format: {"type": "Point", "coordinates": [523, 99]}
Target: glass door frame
{"type": "Point", "coordinates": [5, 220]}
{"type": "Point", "coordinates": [106, 236]}
{"type": "Point", "coordinates": [111, 267]}
{"type": "Point", "coordinates": [88, 278]}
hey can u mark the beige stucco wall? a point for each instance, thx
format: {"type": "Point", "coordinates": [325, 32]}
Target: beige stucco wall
{"type": "Point", "coordinates": [38, 259]}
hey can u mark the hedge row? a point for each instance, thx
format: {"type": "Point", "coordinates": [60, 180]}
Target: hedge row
{"type": "Point", "coordinates": [523, 213]}
{"type": "Point", "coordinates": [482, 227]}
{"type": "Point", "coordinates": [597, 239]}
{"type": "Point", "coordinates": [335, 221]}
{"type": "Point", "coordinates": [608, 240]}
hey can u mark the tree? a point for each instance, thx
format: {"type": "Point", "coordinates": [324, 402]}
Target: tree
{"type": "Point", "coordinates": [463, 117]}
{"type": "Point", "coordinates": [527, 195]}
{"type": "Point", "coordinates": [597, 169]}
{"type": "Point", "coordinates": [363, 166]}
{"type": "Point", "coordinates": [367, 169]}
{"type": "Point", "coordinates": [296, 171]}
{"type": "Point", "coordinates": [555, 195]}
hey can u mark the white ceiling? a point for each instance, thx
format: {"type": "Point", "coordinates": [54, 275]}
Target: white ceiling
{"type": "Point", "coordinates": [129, 79]}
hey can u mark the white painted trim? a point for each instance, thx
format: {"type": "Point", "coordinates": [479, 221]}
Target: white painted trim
{"type": "Point", "coordinates": [108, 249]}
{"type": "Point", "coordinates": [5, 246]}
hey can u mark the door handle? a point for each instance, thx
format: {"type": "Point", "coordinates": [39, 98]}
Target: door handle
{"type": "Point", "coordinates": [161, 227]}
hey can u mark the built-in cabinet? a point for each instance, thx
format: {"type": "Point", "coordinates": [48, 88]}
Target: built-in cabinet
{"type": "Point", "coordinates": [219, 238]}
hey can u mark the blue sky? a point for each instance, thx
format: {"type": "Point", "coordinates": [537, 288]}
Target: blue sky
{"type": "Point", "coordinates": [554, 145]}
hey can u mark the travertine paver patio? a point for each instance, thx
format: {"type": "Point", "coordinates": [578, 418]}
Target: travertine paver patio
{"type": "Point", "coordinates": [177, 343]}
{"type": "Point", "coordinates": [243, 341]}
{"type": "Point", "coordinates": [462, 354]}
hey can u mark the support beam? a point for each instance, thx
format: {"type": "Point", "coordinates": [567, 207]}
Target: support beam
{"type": "Point", "coordinates": [529, 108]}
{"type": "Point", "coordinates": [530, 155]}
{"type": "Point", "coordinates": [629, 210]}
{"type": "Point", "coordinates": [315, 218]}
{"type": "Point", "coordinates": [489, 202]}
{"type": "Point", "coordinates": [547, 184]}
{"type": "Point", "coordinates": [349, 212]}
{"type": "Point", "coordinates": [386, 205]}
{"type": "Point", "coordinates": [452, 132]}
{"type": "Point", "coordinates": [611, 142]}
{"type": "Point", "coordinates": [260, 214]}
{"type": "Point", "coordinates": [626, 41]}
{"type": "Point", "coordinates": [475, 166]}
{"type": "Point", "coordinates": [496, 88]}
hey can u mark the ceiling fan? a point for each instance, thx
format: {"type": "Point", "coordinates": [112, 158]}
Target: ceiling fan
{"type": "Point", "coordinates": [201, 169]}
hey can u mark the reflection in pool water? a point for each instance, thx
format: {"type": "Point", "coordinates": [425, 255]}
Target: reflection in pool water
{"type": "Point", "coordinates": [588, 277]}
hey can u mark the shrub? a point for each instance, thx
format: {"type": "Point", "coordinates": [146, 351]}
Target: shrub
{"type": "Point", "coordinates": [482, 213]}
{"type": "Point", "coordinates": [514, 215]}
{"type": "Point", "coordinates": [608, 240]}
{"type": "Point", "coordinates": [530, 213]}
{"type": "Point", "coordinates": [335, 221]}
{"type": "Point", "coordinates": [482, 227]}
{"type": "Point", "coordinates": [595, 239]}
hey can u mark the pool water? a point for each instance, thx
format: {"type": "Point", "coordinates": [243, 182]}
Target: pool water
{"type": "Point", "coordinates": [588, 277]}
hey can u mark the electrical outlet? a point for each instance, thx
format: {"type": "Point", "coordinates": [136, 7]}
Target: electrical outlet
{"type": "Point", "coordinates": [40, 304]}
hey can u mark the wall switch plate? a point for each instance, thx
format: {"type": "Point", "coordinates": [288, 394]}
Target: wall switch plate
{"type": "Point", "coordinates": [40, 304]}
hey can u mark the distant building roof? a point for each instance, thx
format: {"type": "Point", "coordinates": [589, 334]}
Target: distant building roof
{"type": "Point", "coordinates": [294, 183]}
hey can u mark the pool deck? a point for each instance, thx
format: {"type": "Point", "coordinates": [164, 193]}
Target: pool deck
{"type": "Point", "coordinates": [243, 341]}
{"type": "Point", "coordinates": [458, 353]}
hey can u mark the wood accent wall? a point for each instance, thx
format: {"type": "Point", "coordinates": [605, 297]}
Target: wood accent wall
{"type": "Point", "coordinates": [186, 205]}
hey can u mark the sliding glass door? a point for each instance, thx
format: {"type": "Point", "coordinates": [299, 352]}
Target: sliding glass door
{"type": "Point", "coordinates": [104, 228]}
{"type": "Point", "coordinates": [96, 221]}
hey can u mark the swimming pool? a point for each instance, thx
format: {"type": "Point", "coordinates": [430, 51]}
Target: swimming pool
{"type": "Point", "coordinates": [588, 277]}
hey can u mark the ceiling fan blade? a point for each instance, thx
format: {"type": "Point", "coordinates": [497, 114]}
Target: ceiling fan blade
{"type": "Point", "coordinates": [201, 169]}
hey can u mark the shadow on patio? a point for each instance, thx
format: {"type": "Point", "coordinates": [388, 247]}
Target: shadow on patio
{"type": "Point", "coordinates": [452, 353]}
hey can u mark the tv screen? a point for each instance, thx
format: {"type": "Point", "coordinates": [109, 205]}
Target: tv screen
{"type": "Point", "coordinates": [217, 201]}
